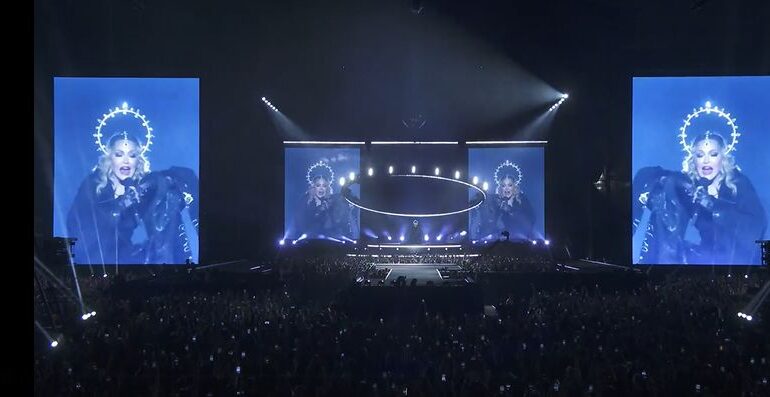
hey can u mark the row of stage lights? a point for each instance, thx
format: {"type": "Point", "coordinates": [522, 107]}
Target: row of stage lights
{"type": "Point", "coordinates": [747, 317]}
{"type": "Point", "coordinates": [85, 316]}
{"type": "Point", "coordinates": [557, 104]}
{"type": "Point", "coordinates": [270, 105]}
{"type": "Point", "coordinates": [534, 242]}
{"type": "Point", "coordinates": [401, 238]}
{"type": "Point", "coordinates": [426, 238]}
{"type": "Point", "coordinates": [283, 241]}
{"type": "Point", "coordinates": [437, 172]}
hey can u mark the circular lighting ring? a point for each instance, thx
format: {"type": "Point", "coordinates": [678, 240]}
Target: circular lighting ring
{"type": "Point", "coordinates": [708, 109]}
{"type": "Point", "coordinates": [418, 215]}
{"type": "Point", "coordinates": [123, 111]}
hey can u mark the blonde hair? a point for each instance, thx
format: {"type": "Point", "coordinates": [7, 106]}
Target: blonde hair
{"type": "Point", "coordinates": [516, 189]}
{"type": "Point", "coordinates": [726, 173]}
{"type": "Point", "coordinates": [312, 189]}
{"type": "Point", "coordinates": [103, 167]}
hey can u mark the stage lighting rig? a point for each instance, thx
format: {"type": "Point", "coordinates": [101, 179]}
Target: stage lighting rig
{"type": "Point", "coordinates": [417, 7]}
{"type": "Point", "coordinates": [415, 122]}
{"type": "Point", "coordinates": [764, 246]}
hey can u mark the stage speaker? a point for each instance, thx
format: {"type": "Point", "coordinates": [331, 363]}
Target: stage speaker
{"type": "Point", "coordinates": [54, 251]}
{"type": "Point", "coordinates": [764, 245]}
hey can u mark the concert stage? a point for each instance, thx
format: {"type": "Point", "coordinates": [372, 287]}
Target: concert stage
{"type": "Point", "coordinates": [419, 274]}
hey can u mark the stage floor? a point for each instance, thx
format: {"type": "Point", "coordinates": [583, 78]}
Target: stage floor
{"type": "Point", "coordinates": [423, 272]}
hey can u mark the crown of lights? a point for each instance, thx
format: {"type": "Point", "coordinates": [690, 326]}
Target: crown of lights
{"type": "Point", "coordinates": [508, 168]}
{"type": "Point", "coordinates": [319, 169]}
{"type": "Point", "coordinates": [124, 110]}
{"type": "Point", "coordinates": [708, 109]}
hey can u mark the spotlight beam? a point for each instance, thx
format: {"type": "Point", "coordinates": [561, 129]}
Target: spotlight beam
{"type": "Point", "coordinates": [78, 299]}
{"type": "Point", "coordinates": [557, 104]}
{"type": "Point", "coordinates": [45, 333]}
{"type": "Point", "coordinates": [268, 104]}
{"type": "Point", "coordinates": [755, 303]}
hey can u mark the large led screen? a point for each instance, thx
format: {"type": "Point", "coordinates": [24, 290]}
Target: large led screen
{"type": "Point", "coordinates": [701, 185]}
{"type": "Point", "coordinates": [314, 206]}
{"type": "Point", "coordinates": [126, 169]}
{"type": "Point", "coordinates": [513, 181]}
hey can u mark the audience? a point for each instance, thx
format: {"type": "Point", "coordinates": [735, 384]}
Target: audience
{"type": "Point", "coordinates": [678, 336]}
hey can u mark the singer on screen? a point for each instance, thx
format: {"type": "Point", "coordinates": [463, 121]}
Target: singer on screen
{"type": "Point", "coordinates": [125, 214]}
{"type": "Point", "coordinates": [508, 209]}
{"type": "Point", "coordinates": [709, 195]}
{"type": "Point", "coordinates": [324, 213]}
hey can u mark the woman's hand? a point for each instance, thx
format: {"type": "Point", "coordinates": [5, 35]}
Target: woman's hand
{"type": "Point", "coordinates": [713, 190]}
{"type": "Point", "coordinates": [644, 197]}
{"type": "Point", "coordinates": [704, 198]}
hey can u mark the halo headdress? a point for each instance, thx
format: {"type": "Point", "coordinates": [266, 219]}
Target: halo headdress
{"type": "Point", "coordinates": [507, 168]}
{"type": "Point", "coordinates": [321, 169]}
{"type": "Point", "coordinates": [709, 110]}
{"type": "Point", "coordinates": [124, 111]}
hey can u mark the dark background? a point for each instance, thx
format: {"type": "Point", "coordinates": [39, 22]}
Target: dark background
{"type": "Point", "coordinates": [356, 70]}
